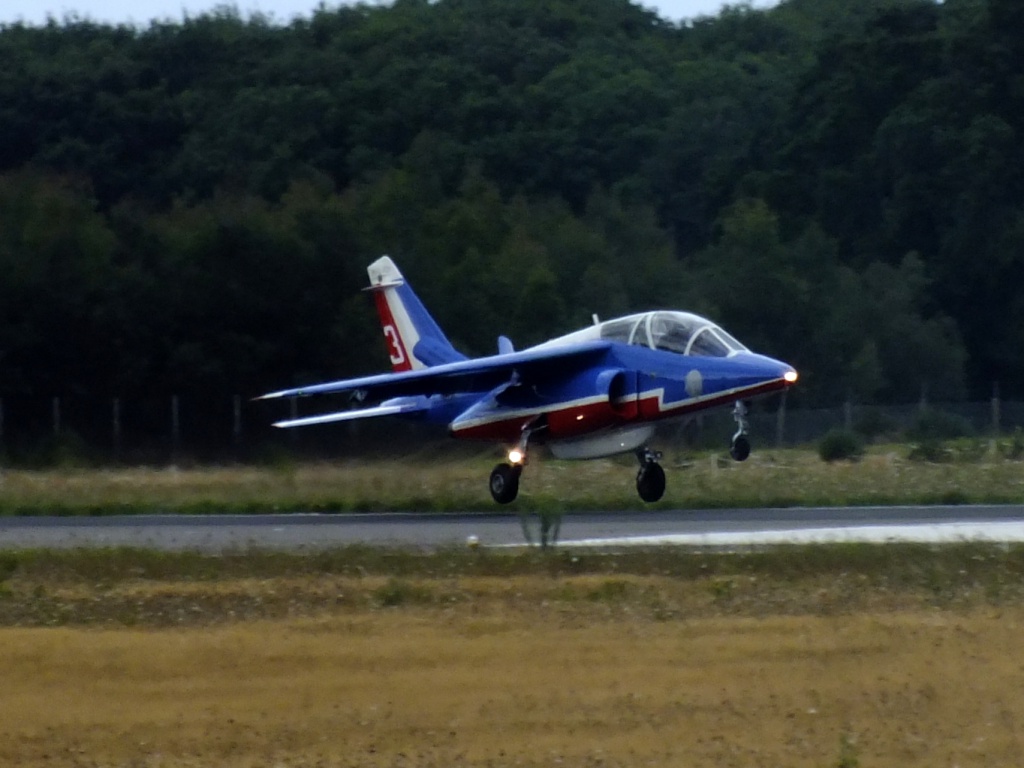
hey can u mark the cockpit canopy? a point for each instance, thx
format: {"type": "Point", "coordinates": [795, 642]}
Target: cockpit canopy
{"type": "Point", "coordinates": [679, 332]}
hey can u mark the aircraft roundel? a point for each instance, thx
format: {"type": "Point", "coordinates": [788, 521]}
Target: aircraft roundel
{"type": "Point", "coordinates": [694, 384]}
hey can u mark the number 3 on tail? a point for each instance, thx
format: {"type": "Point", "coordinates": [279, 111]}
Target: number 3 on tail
{"type": "Point", "coordinates": [394, 345]}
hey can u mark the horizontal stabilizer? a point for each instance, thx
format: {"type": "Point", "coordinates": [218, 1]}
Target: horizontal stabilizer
{"type": "Point", "coordinates": [349, 415]}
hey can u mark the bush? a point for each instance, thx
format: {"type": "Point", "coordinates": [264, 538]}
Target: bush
{"type": "Point", "coordinates": [400, 592]}
{"type": "Point", "coordinates": [930, 450]}
{"type": "Point", "coordinates": [1014, 450]}
{"type": "Point", "coordinates": [65, 450]}
{"type": "Point", "coordinates": [962, 451]}
{"type": "Point", "coordinates": [840, 445]}
{"type": "Point", "coordinates": [873, 423]}
{"type": "Point", "coordinates": [932, 425]}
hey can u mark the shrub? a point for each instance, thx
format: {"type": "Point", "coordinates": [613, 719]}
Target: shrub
{"type": "Point", "coordinates": [65, 450]}
{"type": "Point", "coordinates": [930, 424]}
{"type": "Point", "coordinates": [400, 592]}
{"type": "Point", "coordinates": [873, 423]}
{"type": "Point", "coordinates": [930, 450]}
{"type": "Point", "coordinates": [1014, 450]}
{"type": "Point", "coordinates": [840, 445]}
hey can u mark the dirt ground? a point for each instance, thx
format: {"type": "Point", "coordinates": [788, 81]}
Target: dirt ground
{"type": "Point", "coordinates": [497, 683]}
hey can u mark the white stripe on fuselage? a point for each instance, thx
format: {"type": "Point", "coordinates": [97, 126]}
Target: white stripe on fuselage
{"type": "Point", "coordinates": [735, 392]}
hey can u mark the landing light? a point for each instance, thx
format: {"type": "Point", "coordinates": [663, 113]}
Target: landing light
{"type": "Point", "coordinates": [790, 377]}
{"type": "Point", "coordinates": [515, 456]}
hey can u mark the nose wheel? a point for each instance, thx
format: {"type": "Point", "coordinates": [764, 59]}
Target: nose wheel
{"type": "Point", "coordinates": [739, 449]}
{"type": "Point", "coordinates": [650, 479]}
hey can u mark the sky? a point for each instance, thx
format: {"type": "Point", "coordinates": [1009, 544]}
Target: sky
{"type": "Point", "coordinates": [141, 12]}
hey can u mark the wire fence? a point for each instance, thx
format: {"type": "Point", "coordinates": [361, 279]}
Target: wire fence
{"type": "Point", "coordinates": [176, 429]}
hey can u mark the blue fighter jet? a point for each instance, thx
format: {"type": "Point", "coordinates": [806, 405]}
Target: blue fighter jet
{"type": "Point", "coordinates": [596, 392]}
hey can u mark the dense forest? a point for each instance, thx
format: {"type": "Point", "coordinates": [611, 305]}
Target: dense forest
{"type": "Point", "coordinates": [190, 206]}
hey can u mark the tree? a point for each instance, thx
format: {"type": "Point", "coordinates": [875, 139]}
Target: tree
{"type": "Point", "coordinates": [55, 298]}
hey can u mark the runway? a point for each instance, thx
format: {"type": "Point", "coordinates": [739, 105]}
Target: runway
{"type": "Point", "coordinates": [717, 527]}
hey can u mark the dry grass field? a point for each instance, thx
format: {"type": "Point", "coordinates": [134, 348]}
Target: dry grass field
{"type": "Point", "coordinates": [825, 657]}
{"type": "Point", "coordinates": [529, 669]}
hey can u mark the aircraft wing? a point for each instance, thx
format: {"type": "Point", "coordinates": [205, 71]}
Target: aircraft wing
{"type": "Point", "coordinates": [478, 375]}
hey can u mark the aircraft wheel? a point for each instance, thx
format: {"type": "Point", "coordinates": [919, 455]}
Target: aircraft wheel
{"type": "Point", "coordinates": [740, 448]}
{"type": "Point", "coordinates": [505, 483]}
{"type": "Point", "coordinates": [650, 481]}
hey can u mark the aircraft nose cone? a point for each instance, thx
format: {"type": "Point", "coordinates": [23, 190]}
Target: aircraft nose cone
{"type": "Point", "coordinates": [782, 370]}
{"type": "Point", "coordinates": [769, 369]}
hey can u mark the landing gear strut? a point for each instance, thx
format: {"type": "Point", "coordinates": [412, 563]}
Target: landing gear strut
{"type": "Point", "coordinates": [740, 448]}
{"type": "Point", "coordinates": [504, 483]}
{"type": "Point", "coordinates": [650, 479]}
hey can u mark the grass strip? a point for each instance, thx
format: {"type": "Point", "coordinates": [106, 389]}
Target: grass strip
{"type": "Point", "coordinates": [146, 587]}
{"type": "Point", "coordinates": [782, 478]}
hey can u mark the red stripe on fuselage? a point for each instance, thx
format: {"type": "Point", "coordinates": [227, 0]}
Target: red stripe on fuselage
{"type": "Point", "coordinates": [578, 420]}
{"type": "Point", "coordinates": [562, 423]}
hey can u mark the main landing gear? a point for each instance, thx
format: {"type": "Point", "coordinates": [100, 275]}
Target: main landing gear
{"type": "Point", "coordinates": [505, 482]}
{"type": "Point", "coordinates": [504, 487]}
{"type": "Point", "coordinates": [505, 476]}
{"type": "Point", "coordinates": [650, 479]}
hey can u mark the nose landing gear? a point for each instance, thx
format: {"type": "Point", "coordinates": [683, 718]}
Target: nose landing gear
{"type": "Point", "coordinates": [650, 479]}
{"type": "Point", "coordinates": [740, 447]}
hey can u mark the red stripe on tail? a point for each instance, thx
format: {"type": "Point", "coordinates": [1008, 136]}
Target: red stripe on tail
{"type": "Point", "coordinates": [400, 359]}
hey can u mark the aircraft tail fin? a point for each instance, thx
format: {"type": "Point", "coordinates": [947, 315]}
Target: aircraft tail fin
{"type": "Point", "coordinates": [413, 338]}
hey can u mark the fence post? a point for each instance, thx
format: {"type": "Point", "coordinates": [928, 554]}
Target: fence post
{"type": "Point", "coordinates": [780, 421]}
{"type": "Point", "coordinates": [293, 410]}
{"type": "Point", "coordinates": [117, 428]}
{"type": "Point", "coordinates": [236, 427]}
{"type": "Point", "coordinates": [56, 416]}
{"type": "Point", "coordinates": [995, 409]}
{"type": "Point", "coordinates": [848, 415]}
{"type": "Point", "coordinates": [175, 428]}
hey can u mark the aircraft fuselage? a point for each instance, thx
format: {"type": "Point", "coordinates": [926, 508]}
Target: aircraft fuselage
{"type": "Point", "coordinates": [629, 387]}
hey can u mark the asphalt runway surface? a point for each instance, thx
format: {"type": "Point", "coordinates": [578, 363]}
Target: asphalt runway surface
{"type": "Point", "coordinates": [718, 527]}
